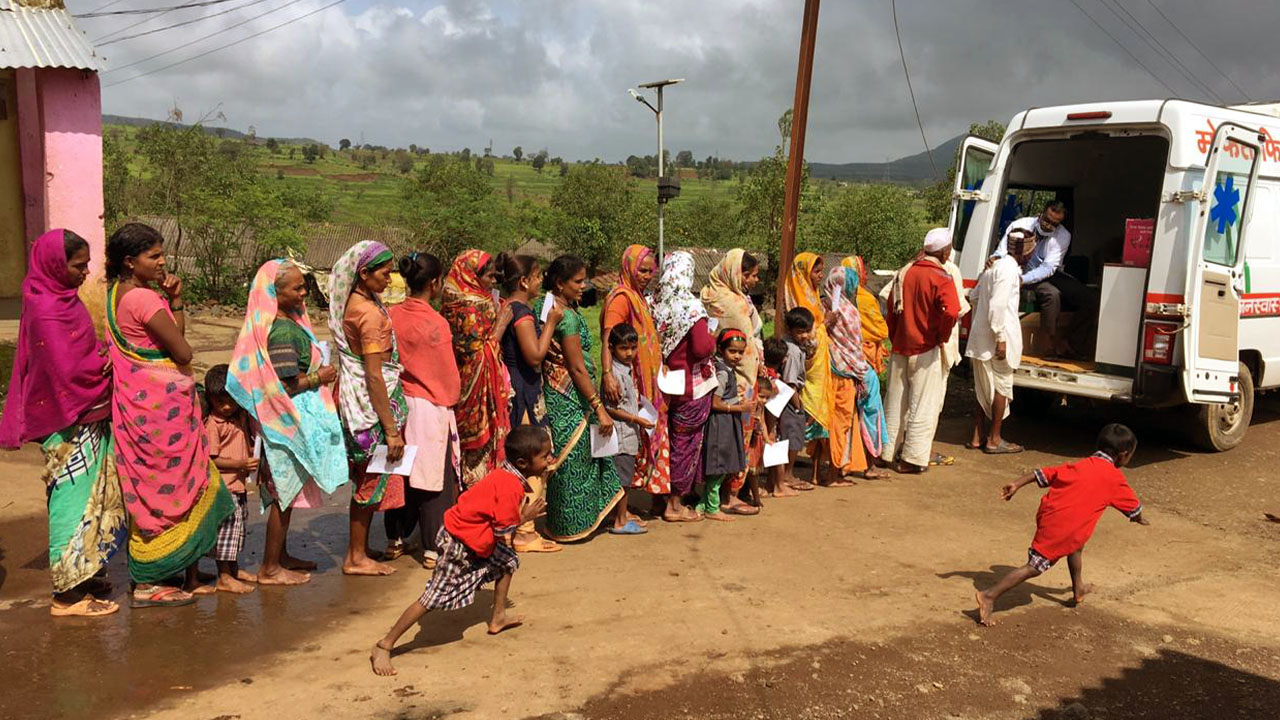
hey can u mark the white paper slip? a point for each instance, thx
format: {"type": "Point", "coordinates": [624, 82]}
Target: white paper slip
{"type": "Point", "coordinates": [713, 323]}
{"type": "Point", "coordinates": [323, 347]}
{"type": "Point", "coordinates": [547, 303]}
{"type": "Point", "coordinates": [777, 453]}
{"type": "Point", "coordinates": [671, 382]}
{"type": "Point", "coordinates": [648, 412]}
{"type": "Point", "coordinates": [379, 465]}
{"type": "Point", "coordinates": [778, 402]}
{"type": "Point", "coordinates": [257, 455]}
{"type": "Point", "coordinates": [602, 446]}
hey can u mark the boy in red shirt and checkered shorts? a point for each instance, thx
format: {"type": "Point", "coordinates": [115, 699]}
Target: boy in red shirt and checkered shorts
{"type": "Point", "coordinates": [1079, 493]}
{"type": "Point", "coordinates": [475, 542]}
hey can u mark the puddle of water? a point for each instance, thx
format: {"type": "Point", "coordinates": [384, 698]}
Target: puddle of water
{"type": "Point", "coordinates": [128, 662]}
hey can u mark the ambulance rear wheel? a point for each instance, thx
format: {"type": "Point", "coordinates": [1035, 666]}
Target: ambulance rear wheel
{"type": "Point", "coordinates": [1035, 403]}
{"type": "Point", "coordinates": [1222, 426]}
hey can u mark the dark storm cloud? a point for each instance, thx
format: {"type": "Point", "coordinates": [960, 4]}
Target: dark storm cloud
{"type": "Point", "coordinates": [555, 73]}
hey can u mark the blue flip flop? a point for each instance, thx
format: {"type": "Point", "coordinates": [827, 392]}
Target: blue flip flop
{"type": "Point", "coordinates": [631, 528]}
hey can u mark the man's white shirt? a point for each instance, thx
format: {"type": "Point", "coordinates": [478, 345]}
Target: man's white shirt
{"type": "Point", "coordinates": [1049, 253]}
{"type": "Point", "coordinates": [995, 313]}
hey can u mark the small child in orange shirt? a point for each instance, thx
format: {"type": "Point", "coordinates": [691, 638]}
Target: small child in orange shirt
{"type": "Point", "coordinates": [230, 440]}
{"type": "Point", "coordinates": [476, 541]}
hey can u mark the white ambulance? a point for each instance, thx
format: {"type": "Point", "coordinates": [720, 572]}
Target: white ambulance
{"type": "Point", "coordinates": [1196, 321]}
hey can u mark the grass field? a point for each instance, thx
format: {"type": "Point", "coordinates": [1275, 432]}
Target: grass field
{"type": "Point", "coordinates": [371, 196]}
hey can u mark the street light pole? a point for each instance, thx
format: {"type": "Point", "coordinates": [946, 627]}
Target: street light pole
{"type": "Point", "coordinates": [665, 193]}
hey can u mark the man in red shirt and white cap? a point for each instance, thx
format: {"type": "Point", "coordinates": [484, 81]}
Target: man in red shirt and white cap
{"type": "Point", "coordinates": [923, 308]}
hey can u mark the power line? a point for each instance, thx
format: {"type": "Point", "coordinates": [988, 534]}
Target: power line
{"type": "Point", "coordinates": [200, 39]}
{"type": "Point", "coordinates": [181, 24]}
{"type": "Point", "coordinates": [104, 7]}
{"type": "Point", "coordinates": [893, 5]}
{"type": "Point", "coordinates": [1197, 49]}
{"type": "Point", "coordinates": [1121, 45]}
{"type": "Point", "coordinates": [230, 44]}
{"type": "Point", "coordinates": [130, 26]}
{"type": "Point", "coordinates": [1157, 47]}
{"type": "Point", "coordinates": [145, 11]}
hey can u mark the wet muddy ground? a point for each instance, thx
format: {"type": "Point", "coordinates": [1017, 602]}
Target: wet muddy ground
{"type": "Point", "coordinates": [840, 603]}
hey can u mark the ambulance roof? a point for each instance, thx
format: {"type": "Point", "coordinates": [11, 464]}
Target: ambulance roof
{"type": "Point", "coordinates": [1190, 125]}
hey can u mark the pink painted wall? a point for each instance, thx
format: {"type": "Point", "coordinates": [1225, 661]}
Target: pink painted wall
{"type": "Point", "coordinates": [61, 138]}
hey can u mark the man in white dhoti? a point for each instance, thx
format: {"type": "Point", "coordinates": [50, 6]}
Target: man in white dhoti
{"type": "Point", "coordinates": [995, 342]}
{"type": "Point", "coordinates": [923, 309]}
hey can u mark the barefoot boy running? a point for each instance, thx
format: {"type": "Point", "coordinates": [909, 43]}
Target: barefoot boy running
{"type": "Point", "coordinates": [475, 542]}
{"type": "Point", "coordinates": [1078, 494]}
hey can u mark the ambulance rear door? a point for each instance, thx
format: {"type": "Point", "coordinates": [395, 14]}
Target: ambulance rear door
{"type": "Point", "coordinates": [1210, 345]}
{"type": "Point", "coordinates": [970, 188]}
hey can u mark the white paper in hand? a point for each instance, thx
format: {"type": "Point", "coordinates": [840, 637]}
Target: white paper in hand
{"type": "Point", "coordinates": [778, 402]}
{"type": "Point", "coordinates": [713, 323]}
{"type": "Point", "coordinates": [777, 453]}
{"type": "Point", "coordinates": [649, 413]}
{"type": "Point", "coordinates": [602, 446]}
{"type": "Point", "coordinates": [671, 382]}
{"type": "Point", "coordinates": [379, 465]}
{"type": "Point", "coordinates": [323, 347]}
{"type": "Point", "coordinates": [547, 303]}
{"type": "Point", "coordinates": [257, 455]}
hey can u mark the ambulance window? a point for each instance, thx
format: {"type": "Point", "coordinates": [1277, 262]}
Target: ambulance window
{"type": "Point", "coordinates": [1264, 223]}
{"type": "Point", "coordinates": [977, 161]}
{"type": "Point", "coordinates": [1226, 200]}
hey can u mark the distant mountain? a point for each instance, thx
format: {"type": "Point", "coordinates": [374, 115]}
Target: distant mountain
{"type": "Point", "coordinates": [913, 169]}
{"type": "Point", "coordinates": [219, 131]}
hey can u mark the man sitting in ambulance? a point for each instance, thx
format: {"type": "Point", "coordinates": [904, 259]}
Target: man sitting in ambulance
{"type": "Point", "coordinates": [1054, 288]}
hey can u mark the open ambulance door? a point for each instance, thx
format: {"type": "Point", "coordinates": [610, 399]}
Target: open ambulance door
{"type": "Point", "coordinates": [976, 156]}
{"type": "Point", "coordinates": [1211, 353]}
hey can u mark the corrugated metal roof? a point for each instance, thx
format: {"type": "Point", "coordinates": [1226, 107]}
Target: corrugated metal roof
{"type": "Point", "coordinates": [37, 37]}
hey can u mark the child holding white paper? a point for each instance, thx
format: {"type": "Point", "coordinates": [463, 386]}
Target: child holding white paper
{"type": "Point", "coordinates": [723, 450]}
{"type": "Point", "coordinates": [624, 342]}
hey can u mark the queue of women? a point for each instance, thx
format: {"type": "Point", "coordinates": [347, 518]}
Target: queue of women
{"type": "Point", "coordinates": [127, 453]}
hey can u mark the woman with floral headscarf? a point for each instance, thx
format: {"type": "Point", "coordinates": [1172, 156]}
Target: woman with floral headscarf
{"type": "Point", "coordinates": [819, 401]}
{"type": "Point", "coordinates": [276, 374]}
{"type": "Point", "coordinates": [628, 303]}
{"type": "Point", "coordinates": [370, 395]}
{"type": "Point", "coordinates": [857, 420]}
{"type": "Point", "coordinates": [875, 331]}
{"type": "Point", "coordinates": [62, 400]}
{"type": "Point", "coordinates": [725, 299]}
{"type": "Point", "coordinates": [477, 324]}
{"type": "Point", "coordinates": [687, 345]}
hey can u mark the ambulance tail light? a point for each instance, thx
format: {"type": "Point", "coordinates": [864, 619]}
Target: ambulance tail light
{"type": "Point", "coordinates": [1094, 115]}
{"type": "Point", "coordinates": [1157, 342]}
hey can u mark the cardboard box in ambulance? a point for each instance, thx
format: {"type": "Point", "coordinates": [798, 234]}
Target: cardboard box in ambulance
{"type": "Point", "coordinates": [1191, 313]}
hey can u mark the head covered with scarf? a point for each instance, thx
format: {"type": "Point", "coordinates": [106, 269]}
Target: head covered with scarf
{"type": "Point", "coordinates": [649, 352]}
{"type": "Point", "coordinates": [471, 312]}
{"type": "Point", "coordinates": [676, 309]}
{"type": "Point", "coordinates": [58, 368]}
{"type": "Point", "coordinates": [875, 331]}
{"type": "Point", "coordinates": [302, 430]}
{"type": "Point", "coordinates": [353, 394]}
{"type": "Point", "coordinates": [725, 298]}
{"type": "Point", "coordinates": [848, 358]}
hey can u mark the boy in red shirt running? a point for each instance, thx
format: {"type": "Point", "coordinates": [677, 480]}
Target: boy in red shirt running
{"type": "Point", "coordinates": [1078, 494]}
{"type": "Point", "coordinates": [475, 542]}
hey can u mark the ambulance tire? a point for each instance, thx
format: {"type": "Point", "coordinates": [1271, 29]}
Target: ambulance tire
{"type": "Point", "coordinates": [1222, 426]}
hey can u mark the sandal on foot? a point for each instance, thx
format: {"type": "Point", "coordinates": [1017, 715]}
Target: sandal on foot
{"type": "Point", "coordinates": [87, 606]}
{"type": "Point", "coordinates": [631, 528]}
{"type": "Point", "coordinates": [1004, 448]}
{"type": "Point", "coordinates": [393, 551]}
{"type": "Point", "coordinates": [159, 598]}
{"type": "Point", "coordinates": [740, 510]}
{"type": "Point", "coordinates": [971, 446]}
{"type": "Point", "coordinates": [541, 545]}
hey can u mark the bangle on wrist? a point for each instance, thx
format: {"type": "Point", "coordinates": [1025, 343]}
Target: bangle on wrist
{"type": "Point", "coordinates": [177, 308]}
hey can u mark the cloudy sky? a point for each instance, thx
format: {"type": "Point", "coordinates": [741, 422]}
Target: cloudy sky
{"type": "Point", "coordinates": [554, 73]}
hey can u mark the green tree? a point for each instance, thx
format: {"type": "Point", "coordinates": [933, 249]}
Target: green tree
{"type": "Point", "coordinates": [539, 161]}
{"type": "Point", "coordinates": [229, 217]}
{"type": "Point", "coordinates": [118, 185]}
{"type": "Point", "coordinates": [518, 152]}
{"type": "Point", "coordinates": [703, 222]}
{"type": "Point", "coordinates": [761, 198]}
{"type": "Point", "coordinates": [877, 221]}
{"type": "Point", "coordinates": [595, 216]}
{"type": "Point", "coordinates": [684, 159]}
{"type": "Point", "coordinates": [344, 144]}
{"type": "Point", "coordinates": [937, 197]}
{"type": "Point", "coordinates": [310, 153]}
{"type": "Point", "coordinates": [273, 146]}
{"type": "Point", "coordinates": [403, 162]}
{"type": "Point", "coordinates": [449, 206]}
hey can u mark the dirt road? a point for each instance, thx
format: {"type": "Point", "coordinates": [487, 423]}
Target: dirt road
{"type": "Point", "coordinates": [840, 603]}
